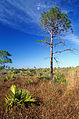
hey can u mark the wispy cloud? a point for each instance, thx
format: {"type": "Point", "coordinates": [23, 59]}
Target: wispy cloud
{"type": "Point", "coordinates": [73, 38]}
{"type": "Point", "coordinates": [23, 13]}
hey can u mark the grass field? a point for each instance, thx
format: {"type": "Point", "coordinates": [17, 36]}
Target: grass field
{"type": "Point", "coordinates": [55, 99]}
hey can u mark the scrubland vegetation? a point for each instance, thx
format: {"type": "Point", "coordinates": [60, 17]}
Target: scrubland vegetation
{"type": "Point", "coordinates": [41, 93]}
{"type": "Point", "coordinates": [30, 94]}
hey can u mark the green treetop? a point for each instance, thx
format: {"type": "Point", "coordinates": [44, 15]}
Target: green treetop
{"type": "Point", "coordinates": [4, 57]}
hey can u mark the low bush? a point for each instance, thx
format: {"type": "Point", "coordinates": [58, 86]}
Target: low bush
{"type": "Point", "coordinates": [28, 73]}
{"type": "Point", "coordinates": [59, 78]}
{"type": "Point", "coordinates": [16, 71]}
{"type": "Point", "coordinates": [11, 76]}
{"type": "Point", "coordinates": [17, 97]}
{"type": "Point", "coordinates": [44, 77]}
{"type": "Point", "coordinates": [29, 81]}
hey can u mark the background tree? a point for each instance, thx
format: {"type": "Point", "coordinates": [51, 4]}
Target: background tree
{"type": "Point", "coordinates": [57, 24]}
{"type": "Point", "coordinates": [4, 58]}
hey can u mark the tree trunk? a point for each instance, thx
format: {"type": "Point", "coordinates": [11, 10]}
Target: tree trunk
{"type": "Point", "coordinates": [51, 57]}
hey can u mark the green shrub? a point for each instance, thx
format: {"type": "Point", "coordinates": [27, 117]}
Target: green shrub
{"type": "Point", "coordinates": [59, 78]}
{"type": "Point", "coordinates": [4, 79]}
{"type": "Point", "coordinates": [29, 81]}
{"type": "Point", "coordinates": [10, 76]}
{"type": "Point", "coordinates": [36, 77]}
{"type": "Point", "coordinates": [33, 71]}
{"type": "Point", "coordinates": [16, 71]}
{"type": "Point", "coordinates": [28, 73]}
{"type": "Point", "coordinates": [7, 77]}
{"type": "Point", "coordinates": [44, 77]}
{"type": "Point", "coordinates": [17, 97]}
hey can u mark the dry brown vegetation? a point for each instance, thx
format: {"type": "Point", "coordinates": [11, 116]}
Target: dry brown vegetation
{"type": "Point", "coordinates": [54, 101]}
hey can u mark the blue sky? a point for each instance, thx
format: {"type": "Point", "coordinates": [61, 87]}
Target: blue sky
{"type": "Point", "coordinates": [19, 30]}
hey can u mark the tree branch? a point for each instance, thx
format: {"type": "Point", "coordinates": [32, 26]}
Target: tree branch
{"type": "Point", "coordinates": [62, 51]}
{"type": "Point", "coordinates": [59, 43]}
{"type": "Point", "coordinates": [59, 36]}
{"type": "Point", "coordinates": [49, 31]}
{"type": "Point", "coordinates": [56, 60]}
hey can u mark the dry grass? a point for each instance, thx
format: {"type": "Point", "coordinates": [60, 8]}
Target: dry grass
{"type": "Point", "coordinates": [55, 101]}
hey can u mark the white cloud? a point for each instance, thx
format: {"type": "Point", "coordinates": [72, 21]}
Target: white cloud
{"type": "Point", "coordinates": [73, 38]}
{"type": "Point", "coordinates": [16, 12]}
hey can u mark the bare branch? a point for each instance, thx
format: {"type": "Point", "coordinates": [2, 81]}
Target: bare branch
{"type": "Point", "coordinates": [48, 43]}
{"type": "Point", "coordinates": [62, 51]}
{"type": "Point", "coordinates": [59, 36]}
{"type": "Point", "coordinates": [56, 60]}
{"type": "Point", "coordinates": [59, 43]}
{"type": "Point", "coordinates": [49, 31]}
{"type": "Point", "coordinates": [55, 44]}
